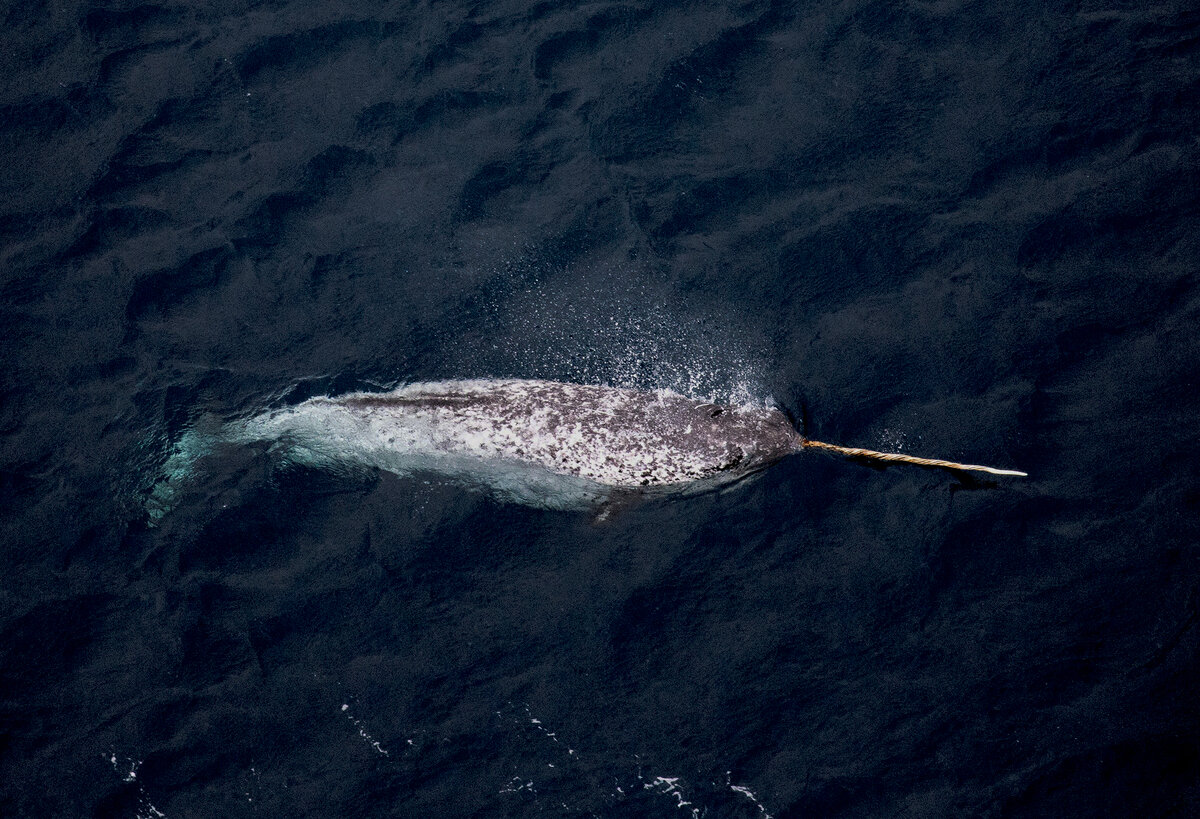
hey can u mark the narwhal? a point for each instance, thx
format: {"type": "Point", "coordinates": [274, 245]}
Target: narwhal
{"type": "Point", "coordinates": [541, 443]}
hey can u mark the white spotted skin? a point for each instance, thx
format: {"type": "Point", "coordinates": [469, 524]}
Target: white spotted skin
{"type": "Point", "coordinates": [543, 443]}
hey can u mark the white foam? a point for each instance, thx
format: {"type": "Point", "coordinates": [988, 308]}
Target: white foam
{"type": "Point", "coordinates": [128, 769]}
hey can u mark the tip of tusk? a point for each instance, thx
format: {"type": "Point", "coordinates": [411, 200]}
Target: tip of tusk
{"type": "Point", "coordinates": [989, 469]}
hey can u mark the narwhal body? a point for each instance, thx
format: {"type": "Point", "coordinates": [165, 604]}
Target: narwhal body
{"type": "Point", "coordinates": [541, 443]}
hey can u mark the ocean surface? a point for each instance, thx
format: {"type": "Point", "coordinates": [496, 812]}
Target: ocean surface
{"type": "Point", "coordinates": [956, 229]}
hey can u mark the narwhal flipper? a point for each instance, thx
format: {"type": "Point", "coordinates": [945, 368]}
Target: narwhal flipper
{"type": "Point", "coordinates": [618, 500]}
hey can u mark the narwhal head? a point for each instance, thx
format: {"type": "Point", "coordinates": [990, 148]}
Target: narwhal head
{"type": "Point", "coordinates": [742, 440]}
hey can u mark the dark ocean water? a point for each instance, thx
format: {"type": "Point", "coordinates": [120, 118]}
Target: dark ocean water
{"type": "Point", "coordinates": [953, 228]}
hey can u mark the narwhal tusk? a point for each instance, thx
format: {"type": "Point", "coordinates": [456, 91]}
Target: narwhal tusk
{"type": "Point", "coordinates": [909, 459]}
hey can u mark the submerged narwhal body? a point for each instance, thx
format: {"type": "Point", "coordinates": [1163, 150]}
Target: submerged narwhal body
{"type": "Point", "coordinates": [541, 443]}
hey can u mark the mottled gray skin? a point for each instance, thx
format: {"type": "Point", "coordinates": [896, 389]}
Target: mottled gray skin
{"type": "Point", "coordinates": [617, 437]}
{"type": "Point", "coordinates": [542, 443]}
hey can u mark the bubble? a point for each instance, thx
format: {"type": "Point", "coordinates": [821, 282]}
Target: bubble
{"type": "Point", "coordinates": [611, 324]}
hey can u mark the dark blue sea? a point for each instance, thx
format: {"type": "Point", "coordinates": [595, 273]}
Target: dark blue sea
{"type": "Point", "coordinates": [956, 229]}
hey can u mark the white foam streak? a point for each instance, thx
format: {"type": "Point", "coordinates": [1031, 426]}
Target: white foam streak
{"type": "Point", "coordinates": [746, 792]}
{"type": "Point", "coordinates": [362, 732]}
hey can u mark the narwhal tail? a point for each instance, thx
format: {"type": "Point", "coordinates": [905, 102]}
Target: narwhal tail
{"type": "Point", "coordinates": [179, 469]}
{"type": "Point", "coordinates": [909, 459]}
